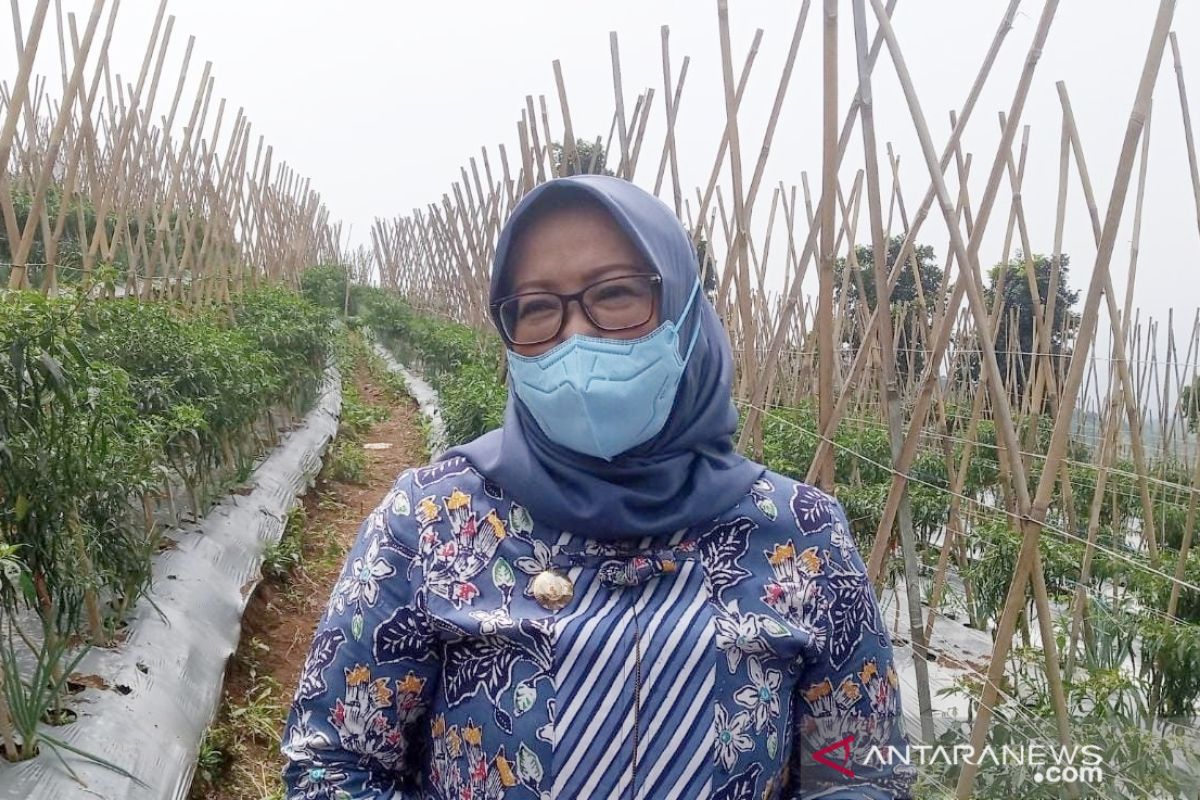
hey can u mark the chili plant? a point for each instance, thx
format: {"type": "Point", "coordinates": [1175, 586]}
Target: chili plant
{"type": "Point", "coordinates": [99, 401]}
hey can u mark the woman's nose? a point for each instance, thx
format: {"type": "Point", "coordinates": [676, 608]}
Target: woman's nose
{"type": "Point", "coordinates": [576, 321]}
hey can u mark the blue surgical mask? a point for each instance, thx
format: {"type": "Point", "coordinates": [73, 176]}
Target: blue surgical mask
{"type": "Point", "coordinates": [604, 396]}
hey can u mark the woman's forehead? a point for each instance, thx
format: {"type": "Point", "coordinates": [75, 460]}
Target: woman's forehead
{"type": "Point", "coordinates": [552, 225]}
{"type": "Point", "coordinates": [564, 244]}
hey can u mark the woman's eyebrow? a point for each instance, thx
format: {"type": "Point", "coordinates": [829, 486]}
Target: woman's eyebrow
{"type": "Point", "coordinates": [588, 276]}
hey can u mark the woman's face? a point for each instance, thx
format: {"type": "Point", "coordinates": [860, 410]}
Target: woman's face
{"type": "Point", "coordinates": [566, 250]}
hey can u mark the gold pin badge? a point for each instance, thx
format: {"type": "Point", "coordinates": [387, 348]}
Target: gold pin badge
{"type": "Point", "coordinates": [553, 589]}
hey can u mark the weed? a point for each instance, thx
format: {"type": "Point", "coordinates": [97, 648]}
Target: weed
{"type": "Point", "coordinates": [346, 462]}
{"type": "Point", "coordinates": [282, 557]}
{"type": "Point", "coordinates": [328, 501]}
{"type": "Point", "coordinates": [357, 415]}
{"type": "Point", "coordinates": [261, 715]}
{"type": "Point", "coordinates": [256, 718]}
{"type": "Point", "coordinates": [326, 551]}
{"type": "Point", "coordinates": [392, 382]}
{"type": "Point", "coordinates": [215, 751]}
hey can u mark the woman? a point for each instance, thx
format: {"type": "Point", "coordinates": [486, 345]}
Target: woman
{"type": "Point", "coordinates": [601, 598]}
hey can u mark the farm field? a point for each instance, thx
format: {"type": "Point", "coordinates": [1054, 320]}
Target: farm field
{"type": "Point", "coordinates": [380, 436]}
{"type": "Point", "coordinates": [207, 381]}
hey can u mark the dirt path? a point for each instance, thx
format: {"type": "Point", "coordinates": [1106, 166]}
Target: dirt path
{"type": "Point", "coordinates": [239, 759]}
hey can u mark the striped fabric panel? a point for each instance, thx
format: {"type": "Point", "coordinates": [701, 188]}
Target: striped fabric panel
{"type": "Point", "coordinates": [595, 668]}
{"type": "Point", "coordinates": [677, 698]}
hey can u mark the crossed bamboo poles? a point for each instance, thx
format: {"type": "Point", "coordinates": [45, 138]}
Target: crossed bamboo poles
{"type": "Point", "coordinates": [192, 218]}
{"type": "Point", "coordinates": [196, 213]}
{"type": "Point", "coordinates": [439, 257]}
{"type": "Point", "coordinates": [196, 220]}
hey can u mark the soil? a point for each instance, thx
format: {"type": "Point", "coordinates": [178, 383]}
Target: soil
{"type": "Point", "coordinates": [282, 615]}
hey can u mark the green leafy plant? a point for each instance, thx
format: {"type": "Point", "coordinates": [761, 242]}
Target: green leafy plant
{"type": "Point", "coordinates": [255, 716]}
{"type": "Point", "coordinates": [281, 558]}
{"type": "Point", "coordinates": [103, 405]}
{"type": "Point", "coordinates": [1170, 657]}
{"type": "Point", "coordinates": [461, 363]}
{"type": "Point", "coordinates": [346, 461]}
{"type": "Point", "coordinates": [357, 415]}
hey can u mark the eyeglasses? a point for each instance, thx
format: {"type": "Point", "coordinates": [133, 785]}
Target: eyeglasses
{"type": "Point", "coordinates": [613, 304]}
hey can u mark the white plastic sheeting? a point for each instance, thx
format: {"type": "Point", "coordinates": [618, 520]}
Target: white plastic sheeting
{"type": "Point", "coordinates": [962, 652]}
{"type": "Point", "coordinates": [165, 681]}
{"type": "Point", "coordinates": [426, 397]}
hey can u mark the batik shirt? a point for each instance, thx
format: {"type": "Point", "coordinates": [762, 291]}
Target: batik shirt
{"type": "Point", "coordinates": [744, 657]}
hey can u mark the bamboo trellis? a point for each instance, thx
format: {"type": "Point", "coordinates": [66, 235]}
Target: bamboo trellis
{"type": "Point", "coordinates": [92, 186]}
{"type": "Point", "coordinates": [1120, 401]}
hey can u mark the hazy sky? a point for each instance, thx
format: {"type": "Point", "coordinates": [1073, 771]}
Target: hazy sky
{"type": "Point", "coordinates": [381, 103]}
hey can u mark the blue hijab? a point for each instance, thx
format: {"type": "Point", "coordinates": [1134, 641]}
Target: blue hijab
{"type": "Point", "coordinates": [686, 474]}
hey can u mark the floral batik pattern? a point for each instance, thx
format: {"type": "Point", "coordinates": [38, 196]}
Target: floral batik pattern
{"type": "Point", "coordinates": [436, 672]}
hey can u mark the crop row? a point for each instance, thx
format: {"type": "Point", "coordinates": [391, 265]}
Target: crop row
{"type": "Point", "coordinates": [1133, 662]}
{"type": "Point", "coordinates": [107, 407]}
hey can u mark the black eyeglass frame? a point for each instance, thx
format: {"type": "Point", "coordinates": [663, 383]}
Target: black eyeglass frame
{"type": "Point", "coordinates": [564, 299]}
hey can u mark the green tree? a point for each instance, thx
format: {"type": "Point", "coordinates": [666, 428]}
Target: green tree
{"type": "Point", "coordinates": [905, 299]}
{"type": "Point", "coordinates": [707, 266]}
{"type": "Point", "coordinates": [1015, 342]}
{"type": "Point", "coordinates": [593, 159]}
{"type": "Point", "coordinates": [1189, 401]}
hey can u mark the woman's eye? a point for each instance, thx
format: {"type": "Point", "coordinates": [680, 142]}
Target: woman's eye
{"type": "Point", "coordinates": [535, 308]}
{"type": "Point", "coordinates": [618, 292]}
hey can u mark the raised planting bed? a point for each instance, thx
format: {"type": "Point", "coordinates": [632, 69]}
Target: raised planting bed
{"type": "Point", "coordinates": [145, 704]}
{"type": "Point", "coordinates": [120, 423]}
{"type": "Point", "coordinates": [426, 396]}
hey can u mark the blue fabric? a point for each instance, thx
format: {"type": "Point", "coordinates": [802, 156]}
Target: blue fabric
{"type": "Point", "coordinates": [689, 471]}
{"type": "Point", "coordinates": [711, 662]}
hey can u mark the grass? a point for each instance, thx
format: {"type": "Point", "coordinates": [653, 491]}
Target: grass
{"type": "Point", "coordinates": [252, 719]}
{"type": "Point", "coordinates": [255, 718]}
{"type": "Point", "coordinates": [284, 556]}
{"type": "Point", "coordinates": [346, 462]}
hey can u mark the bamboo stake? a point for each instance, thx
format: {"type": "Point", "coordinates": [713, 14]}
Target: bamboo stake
{"type": "Point", "coordinates": [51, 239]}
{"type": "Point", "coordinates": [829, 161]}
{"type": "Point", "coordinates": [888, 388]}
{"type": "Point", "coordinates": [1189, 525]}
{"type": "Point", "coordinates": [777, 106]}
{"type": "Point", "coordinates": [1189, 138]}
{"type": "Point", "coordinates": [20, 91]}
{"type": "Point", "coordinates": [570, 151]}
{"type": "Point", "coordinates": [702, 210]}
{"type": "Point", "coordinates": [740, 244]}
{"type": "Point", "coordinates": [17, 277]}
{"type": "Point", "coordinates": [672, 108]}
{"type": "Point", "coordinates": [641, 121]}
{"type": "Point", "coordinates": [824, 445]}
{"type": "Point", "coordinates": [1132, 412]}
{"type": "Point", "coordinates": [526, 160]}
{"type": "Point", "coordinates": [108, 194]}
{"type": "Point", "coordinates": [969, 282]}
{"type": "Point", "coordinates": [622, 131]}
{"type": "Point", "coordinates": [532, 128]}
{"type": "Point", "coordinates": [545, 134]}
{"type": "Point", "coordinates": [791, 299]}
{"type": "Point", "coordinates": [1027, 560]}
